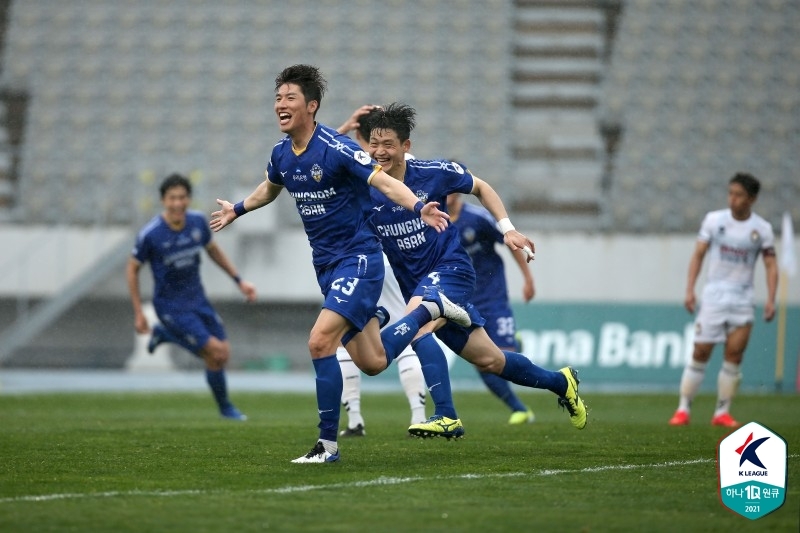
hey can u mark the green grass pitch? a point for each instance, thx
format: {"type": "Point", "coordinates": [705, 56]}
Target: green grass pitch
{"type": "Point", "coordinates": [166, 462]}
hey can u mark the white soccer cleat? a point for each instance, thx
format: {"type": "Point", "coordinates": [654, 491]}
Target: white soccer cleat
{"type": "Point", "coordinates": [447, 309]}
{"type": "Point", "coordinates": [318, 454]}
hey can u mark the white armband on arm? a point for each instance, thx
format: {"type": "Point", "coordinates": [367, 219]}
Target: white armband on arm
{"type": "Point", "coordinates": [505, 225]}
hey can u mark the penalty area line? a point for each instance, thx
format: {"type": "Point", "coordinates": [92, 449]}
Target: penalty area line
{"type": "Point", "coordinates": [381, 481]}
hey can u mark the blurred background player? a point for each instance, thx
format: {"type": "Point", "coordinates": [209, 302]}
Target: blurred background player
{"type": "Point", "coordinates": [408, 365]}
{"type": "Point", "coordinates": [479, 234]}
{"type": "Point", "coordinates": [424, 261]}
{"type": "Point", "coordinates": [171, 242]}
{"type": "Point", "coordinates": [735, 237]}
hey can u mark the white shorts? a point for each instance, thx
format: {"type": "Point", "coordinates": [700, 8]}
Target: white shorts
{"type": "Point", "coordinates": [715, 322]}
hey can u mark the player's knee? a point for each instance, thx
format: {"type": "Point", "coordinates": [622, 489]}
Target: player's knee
{"type": "Point", "coordinates": [320, 345]}
{"type": "Point", "coordinates": [216, 353]}
{"type": "Point", "coordinates": [373, 368]}
{"type": "Point", "coordinates": [491, 366]}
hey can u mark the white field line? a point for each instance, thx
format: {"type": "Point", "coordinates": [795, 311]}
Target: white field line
{"type": "Point", "coordinates": [355, 484]}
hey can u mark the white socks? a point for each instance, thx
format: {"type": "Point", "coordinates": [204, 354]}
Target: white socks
{"type": "Point", "coordinates": [727, 384]}
{"type": "Point", "coordinates": [351, 390]}
{"type": "Point", "coordinates": [692, 378]}
{"type": "Point", "coordinates": [410, 370]}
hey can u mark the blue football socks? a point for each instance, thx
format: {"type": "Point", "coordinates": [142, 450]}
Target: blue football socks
{"type": "Point", "coordinates": [502, 389]}
{"type": "Point", "coordinates": [329, 395]}
{"type": "Point", "coordinates": [219, 388]}
{"type": "Point", "coordinates": [396, 337]}
{"type": "Point", "coordinates": [437, 376]}
{"type": "Point", "coordinates": [521, 370]}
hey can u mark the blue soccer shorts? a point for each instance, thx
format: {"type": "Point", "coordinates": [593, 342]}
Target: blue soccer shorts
{"type": "Point", "coordinates": [194, 326]}
{"type": "Point", "coordinates": [352, 286]}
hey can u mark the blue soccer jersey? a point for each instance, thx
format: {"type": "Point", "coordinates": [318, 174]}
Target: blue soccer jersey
{"type": "Point", "coordinates": [479, 234]}
{"type": "Point", "coordinates": [174, 257]}
{"type": "Point", "coordinates": [329, 182]}
{"type": "Point", "coordinates": [415, 249]}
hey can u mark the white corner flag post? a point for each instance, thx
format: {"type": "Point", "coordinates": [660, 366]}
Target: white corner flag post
{"type": "Point", "coordinates": [788, 267]}
{"type": "Point", "coordinates": [142, 361]}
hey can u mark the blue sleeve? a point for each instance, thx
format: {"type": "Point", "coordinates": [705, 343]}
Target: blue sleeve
{"type": "Point", "coordinates": [206, 229]}
{"type": "Point", "coordinates": [271, 173]}
{"type": "Point", "coordinates": [141, 250]}
{"type": "Point", "coordinates": [351, 159]}
{"type": "Point", "coordinates": [495, 232]}
{"type": "Point", "coordinates": [465, 182]}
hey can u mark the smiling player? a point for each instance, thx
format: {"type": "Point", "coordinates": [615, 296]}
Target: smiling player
{"type": "Point", "coordinates": [330, 177]}
{"type": "Point", "coordinates": [423, 258]}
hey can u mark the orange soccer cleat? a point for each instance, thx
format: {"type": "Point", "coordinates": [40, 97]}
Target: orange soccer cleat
{"type": "Point", "coordinates": [680, 418]}
{"type": "Point", "coordinates": [725, 420]}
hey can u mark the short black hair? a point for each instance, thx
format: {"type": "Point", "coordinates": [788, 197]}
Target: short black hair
{"type": "Point", "coordinates": [400, 118]}
{"type": "Point", "coordinates": [749, 182]}
{"type": "Point", "coordinates": [175, 180]}
{"type": "Point", "coordinates": [308, 77]}
{"type": "Point", "coordinates": [365, 122]}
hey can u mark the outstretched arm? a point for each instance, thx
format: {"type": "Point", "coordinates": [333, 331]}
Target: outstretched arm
{"type": "Point", "coordinates": [492, 202]}
{"type": "Point", "coordinates": [265, 193]}
{"type": "Point", "coordinates": [397, 192]}
{"type": "Point", "coordinates": [221, 259]}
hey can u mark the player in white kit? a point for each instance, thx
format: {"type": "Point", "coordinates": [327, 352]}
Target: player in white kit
{"type": "Point", "coordinates": [733, 238]}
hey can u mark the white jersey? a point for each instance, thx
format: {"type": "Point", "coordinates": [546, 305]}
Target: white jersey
{"type": "Point", "coordinates": [391, 297]}
{"type": "Point", "coordinates": [734, 247]}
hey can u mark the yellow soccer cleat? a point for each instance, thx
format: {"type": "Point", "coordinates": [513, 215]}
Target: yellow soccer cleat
{"type": "Point", "coordinates": [438, 426]}
{"type": "Point", "coordinates": [521, 417]}
{"type": "Point", "coordinates": [571, 401]}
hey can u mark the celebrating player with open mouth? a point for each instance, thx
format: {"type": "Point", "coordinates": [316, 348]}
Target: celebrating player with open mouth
{"type": "Point", "coordinates": [329, 177]}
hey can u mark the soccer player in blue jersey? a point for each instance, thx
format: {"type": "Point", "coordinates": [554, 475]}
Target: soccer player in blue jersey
{"type": "Point", "coordinates": [409, 369]}
{"type": "Point", "coordinates": [330, 178]}
{"type": "Point", "coordinates": [423, 258]}
{"type": "Point", "coordinates": [172, 243]}
{"type": "Point", "coordinates": [479, 235]}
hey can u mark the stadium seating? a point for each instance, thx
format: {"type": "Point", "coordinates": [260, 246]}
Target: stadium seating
{"type": "Point", "coordinates": [701, 93]}
{"type": "Point", "coordinates": [520, 90]}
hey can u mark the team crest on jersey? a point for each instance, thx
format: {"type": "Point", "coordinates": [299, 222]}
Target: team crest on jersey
{"type": "Point", "coordinates": [316, 172]}
{"type": "Point", "coordinates": [468, 235]}
{"type": "Point", "coordinates": [754, 236]}
{"type": "Point", "coordinates": [422, 196]}
{"type": "Point", "coordinates": [362, 157]}
{"type": "Point", "coordinates": [196, 235]}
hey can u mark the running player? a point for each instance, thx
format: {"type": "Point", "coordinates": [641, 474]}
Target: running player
{"type": "Point", "coordinates": [734, 237]}
{"type": "Point", "coordinates": [425, 261]}
{"type": "Point", "coordinates": [329, 177]}
{"type": "Point", "coordinates": [171, 242]}
{"type": "Point", "coordinates": [479, 235]}
{"type": "Point", "coordinates": [408, 366]}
